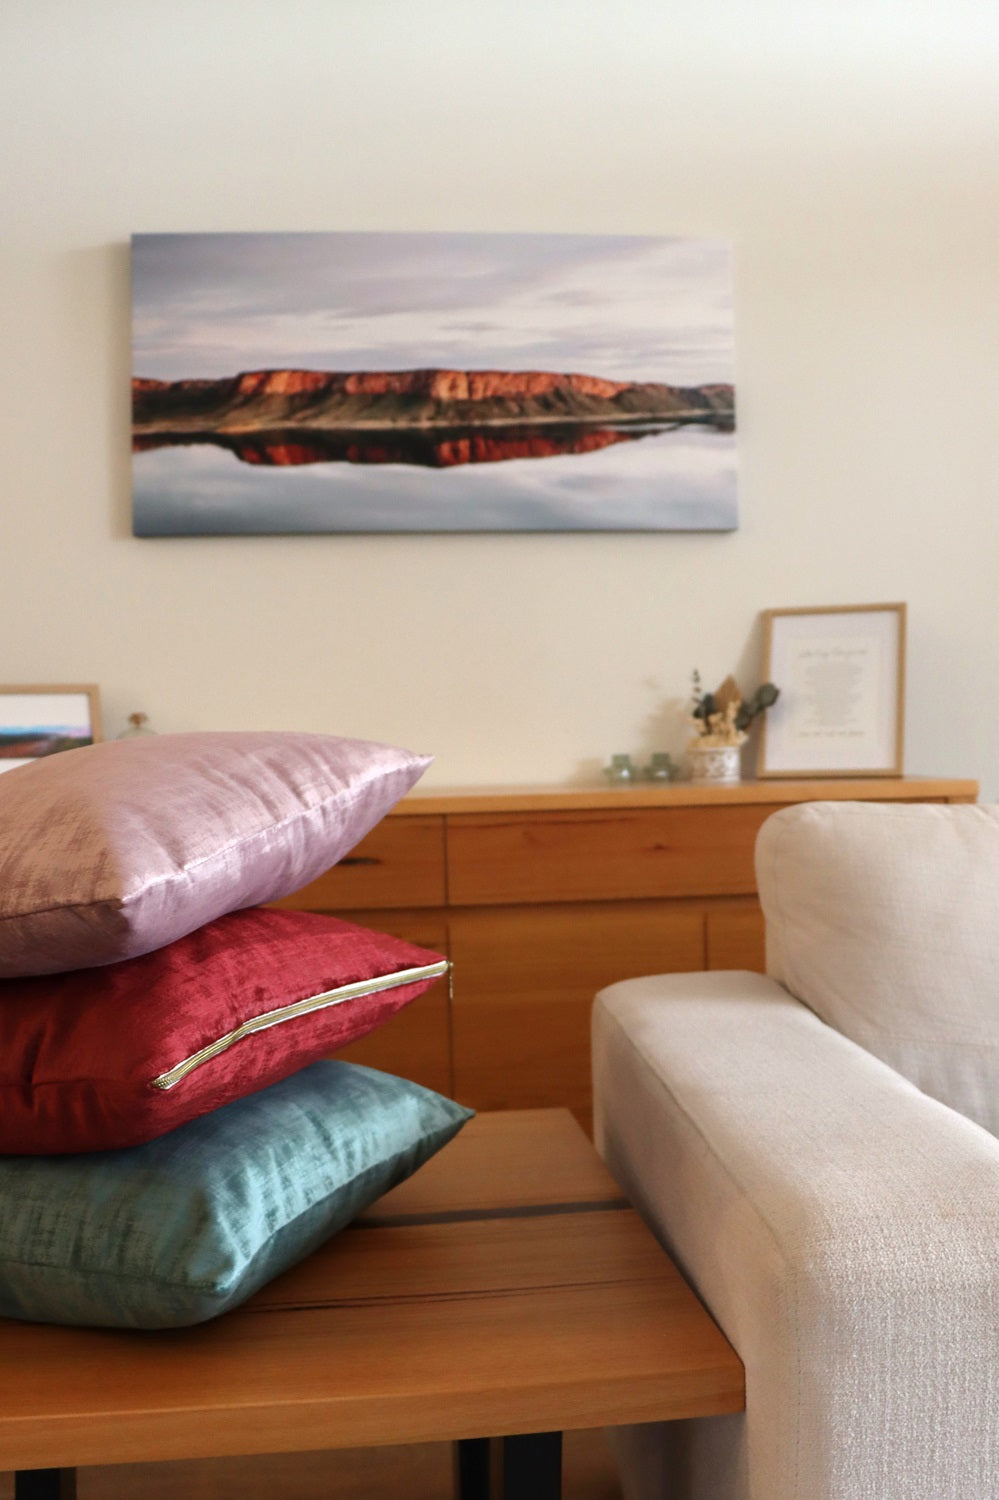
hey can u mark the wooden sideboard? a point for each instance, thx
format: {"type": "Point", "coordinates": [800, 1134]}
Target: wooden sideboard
{"type": "Point", "coordinates": [541, 896]}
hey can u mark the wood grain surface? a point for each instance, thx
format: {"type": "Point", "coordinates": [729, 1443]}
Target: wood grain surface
{"type": "Point", "coordinates": [478, 1321]}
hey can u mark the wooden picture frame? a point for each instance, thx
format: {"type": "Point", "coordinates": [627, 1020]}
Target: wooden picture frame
{"type": "Point", "coordinates": [841, 675]}
{"type": "Point", "coordinates": [39, 719]}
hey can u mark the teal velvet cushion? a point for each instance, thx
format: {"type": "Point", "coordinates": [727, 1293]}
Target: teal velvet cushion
{"type": "Point", "coordinates": [186, 1226]}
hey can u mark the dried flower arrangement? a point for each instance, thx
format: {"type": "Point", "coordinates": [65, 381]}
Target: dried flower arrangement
{"type": "Point", "coordinates": [723, 717]}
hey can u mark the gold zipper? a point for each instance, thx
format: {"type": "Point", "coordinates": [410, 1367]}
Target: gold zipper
{"type": "Point", "coordinates": [329, 998]}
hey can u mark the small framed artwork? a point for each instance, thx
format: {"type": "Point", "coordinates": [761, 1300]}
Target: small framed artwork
{"type": "Point", "coordinates": [841, 674]}
{"type": "Point", "coordinates": [40, 720]}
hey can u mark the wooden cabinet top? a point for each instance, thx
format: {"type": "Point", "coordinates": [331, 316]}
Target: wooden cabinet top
{"type": "Point", "coordinates": [434, 801]}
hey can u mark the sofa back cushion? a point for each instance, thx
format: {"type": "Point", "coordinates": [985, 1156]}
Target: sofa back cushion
{"type": "Point", "coordinates": [884, 920]}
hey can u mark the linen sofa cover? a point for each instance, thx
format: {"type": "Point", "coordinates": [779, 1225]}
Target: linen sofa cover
{"type": "Point", "coordinates": [841, 1225]}
{"type": "Point", "coordinates": [884, 920]}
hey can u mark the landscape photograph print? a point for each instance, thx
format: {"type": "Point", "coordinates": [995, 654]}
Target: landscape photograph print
{"type": "Point", "coordinates": [40, 721]}
{"type": "Point", "coordinates": [431, 382]}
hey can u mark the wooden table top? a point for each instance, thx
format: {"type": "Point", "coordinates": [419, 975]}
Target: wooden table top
{"type": "Point", "coordinates": [505, 1288]}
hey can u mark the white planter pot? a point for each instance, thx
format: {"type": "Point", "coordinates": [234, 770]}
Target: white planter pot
{"type": "Point", "coordinates": [720, 764]}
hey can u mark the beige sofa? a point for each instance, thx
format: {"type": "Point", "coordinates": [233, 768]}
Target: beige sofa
{"type": "Point", "coordinates": [818, 1150]}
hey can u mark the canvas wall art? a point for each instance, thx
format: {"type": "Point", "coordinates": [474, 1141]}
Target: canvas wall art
{"type": "Point", "coordinates": [397, 382]}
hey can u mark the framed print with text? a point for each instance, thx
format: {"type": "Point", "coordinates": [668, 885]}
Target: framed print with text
{"type": "Point", "coordinates": [841, 674]}
{"type": "Point", "coordinates": [37, 721]}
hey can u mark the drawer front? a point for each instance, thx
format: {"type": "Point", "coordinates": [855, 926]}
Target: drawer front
{"type": "Point", "coordinates": [400, 863]}
{"type": "Point", "coordinates": [524, 982]}
{"type": "Point", "coordinates": [605, 855]}
{"type": "Point", "coordinates": [415, 1044]}
{"type": "Point", "coordinates": [736, 938]}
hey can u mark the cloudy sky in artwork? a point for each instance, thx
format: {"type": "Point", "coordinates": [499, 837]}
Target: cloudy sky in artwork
{"type": "Point", "coordinates": [624, 307]}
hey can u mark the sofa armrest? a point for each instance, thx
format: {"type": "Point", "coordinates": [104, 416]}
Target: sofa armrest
{"type": "Point", "coordinates": [842, 1227]}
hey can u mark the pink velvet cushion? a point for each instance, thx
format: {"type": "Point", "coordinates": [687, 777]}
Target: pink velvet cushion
{"type": "Point", "coordinates": [116, 849]}
{"type": "Point", "coordinates": [116, 1056]}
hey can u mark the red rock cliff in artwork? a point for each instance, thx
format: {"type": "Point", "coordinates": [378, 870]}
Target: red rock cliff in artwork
{"type": "Point", "coordinates": [261, 400]}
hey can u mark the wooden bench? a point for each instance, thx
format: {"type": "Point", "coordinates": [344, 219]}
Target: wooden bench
{"type": "Point", "coordinates": [507, 1291]}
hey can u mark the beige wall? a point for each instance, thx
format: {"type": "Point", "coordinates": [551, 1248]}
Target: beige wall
{"type": "Point", "coordinates": [850, 150]}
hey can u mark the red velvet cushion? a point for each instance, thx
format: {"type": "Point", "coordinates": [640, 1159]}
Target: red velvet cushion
{"type": "Point", "coordinates": [86, 1057]}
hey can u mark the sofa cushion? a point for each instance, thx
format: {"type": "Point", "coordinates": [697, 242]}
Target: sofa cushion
{"type": "Point", "coordinates": [111, 1057]}
{"type": "Point", "coordinates": [882, 919]}
{"type": "Point", "coordinates": [121, 847]}
{"type": "Point", "coordinates": [187, 1226]}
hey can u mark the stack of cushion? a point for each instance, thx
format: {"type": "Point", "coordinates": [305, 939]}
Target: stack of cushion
{"type": "Point", "coordinates": [170, 1138]}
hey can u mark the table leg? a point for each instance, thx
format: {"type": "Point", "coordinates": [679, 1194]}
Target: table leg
{"type": "Point", "coordinates": [529, 1467]}
{"type": "Point", "coordinates": [532, 1466]}
{"type": "Point", "coordinates": [472, 1461]}
{"type": "Point", "coordinates": [45, 1484]}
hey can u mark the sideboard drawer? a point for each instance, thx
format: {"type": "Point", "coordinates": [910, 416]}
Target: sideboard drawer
{"type": "Point", "coordinates": [603, 855]}
{"type": "Point", "coordinates": [524, 981]}
{"type": "Point", "coordinates": [735, 937]}
{"type": "Point", "coordinates": [400, 863]}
